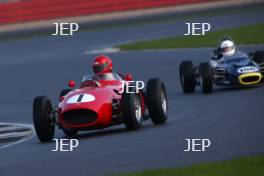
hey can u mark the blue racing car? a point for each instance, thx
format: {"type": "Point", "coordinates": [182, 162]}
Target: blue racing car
{"type": "Point", "coordinates": [227, 67]}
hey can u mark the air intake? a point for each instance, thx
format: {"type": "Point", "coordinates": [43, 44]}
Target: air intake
{"type": "Point", "coordinates": [78, 117]}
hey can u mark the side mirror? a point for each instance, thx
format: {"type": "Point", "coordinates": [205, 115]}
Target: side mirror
{"type": "Point", "coordinates": [71, 84]}
{"type": "Point", "coordinates": [128, 77]}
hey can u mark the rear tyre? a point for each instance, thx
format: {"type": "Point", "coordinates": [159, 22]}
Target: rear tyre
{"type": "Point", "coordinates": [258, 57]}
{"type": "Point", "coordinates": [70, 132]}
{"type": "Point", "coordinates": [206, 79]}
{"type": "Point", "coordinates": [132, 110]}
{"type": "Point", "coordinates": [157, 101]}
{"type": "Point", "coordinates": [187, 77]}
{"type": "Point", "coordinates": [42, 118]}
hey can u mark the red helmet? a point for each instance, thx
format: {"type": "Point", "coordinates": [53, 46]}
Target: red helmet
{"type": "Point", "coordinates": [102, 64]}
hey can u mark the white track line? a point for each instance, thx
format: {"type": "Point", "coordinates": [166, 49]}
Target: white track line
{"type": "Point", "coordinates": [27, 137]}
{"type": "Point", "coordinates": [102, 51]}
{"type": "Point", "coordinates": [11, 128]}
{"type": "Point", "coordinates": [109, 49]}
{"type": "Point", "coordinates": [15, 134]}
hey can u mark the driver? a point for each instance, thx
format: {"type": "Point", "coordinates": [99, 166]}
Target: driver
{"type": "Point", "coordinates": [226, 48]}
{"type": "Point", "coordinates": [102, 64]}
{"type": "Point", "coordinates": [103, 69]}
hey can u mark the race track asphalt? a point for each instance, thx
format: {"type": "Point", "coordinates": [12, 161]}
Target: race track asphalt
{"type": "Point", "coordinates": [231, 118]}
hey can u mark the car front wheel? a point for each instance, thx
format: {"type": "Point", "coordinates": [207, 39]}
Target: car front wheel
{"type": "Point", "coordinates": [132, 110]}
{"type": "Point", "coordinates": [206, 79]}
{"type": "Point", "coordinates": [43, 119]}
{"type": "Point", "coordinates": [187, 77]}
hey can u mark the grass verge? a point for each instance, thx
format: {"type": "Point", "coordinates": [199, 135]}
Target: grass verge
{"type": "Point", "coordinates": [245, 166]}
{"type": "Point", "coordinates": [252, 34]}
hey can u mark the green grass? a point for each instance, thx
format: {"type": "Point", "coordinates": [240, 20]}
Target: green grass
{"type": "Point", "coordinates": [246, 166]}
{"type": "Point", "coordinates": [253, 34]}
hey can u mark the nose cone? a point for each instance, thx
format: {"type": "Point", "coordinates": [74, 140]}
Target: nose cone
{"type": "Point", "coordinates": [86, 107]}
{"type": "Point", "coordinates": [86, 98]}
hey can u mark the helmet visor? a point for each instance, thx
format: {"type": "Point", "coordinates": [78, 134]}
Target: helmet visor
{"type": "Point", "coordinates": [100, 67]}
{"type": "Point", "coordinates": [227, 49]}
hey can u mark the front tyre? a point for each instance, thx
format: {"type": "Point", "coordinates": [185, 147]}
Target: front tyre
{"type": "Point", "coordinates": [132, 110]}
{"type": "Point", "coordinates": [42, 118]}
{"type": "Point", "coordinates": [157, 101]}
{"type": "Point", "coordinates": [187, 77]}
{"type": "Point", "coordinates": [206, 78]}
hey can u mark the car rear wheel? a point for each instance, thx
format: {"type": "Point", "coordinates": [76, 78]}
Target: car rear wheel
{"type": "Point", "coordinates": [258, 57]}
{"type": "Point", "coordinates": [206, 79]}
{"type": "Point", "coordinates": [43, 119]}
{"type": "Point", "coordinates": [187, 77]}
{"type": "Point", "coordinates": [132, 110]}
{"type": "Point", "coordinates": [157, 101]}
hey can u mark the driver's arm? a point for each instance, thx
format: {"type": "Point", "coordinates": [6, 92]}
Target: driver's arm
{"type": "Point", "coordinates": [216, 54]}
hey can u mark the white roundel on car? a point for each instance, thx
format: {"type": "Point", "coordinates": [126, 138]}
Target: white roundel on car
{"type": "Point", "coordinates": [247, 69]}
{"type": "Point", "coordinates": [88, 98]}
{"type": "Point", "coordinates": [82, 98]}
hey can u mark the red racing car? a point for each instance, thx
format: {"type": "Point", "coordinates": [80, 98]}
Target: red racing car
{"type": "Point", "coordinates": [98, 103]}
